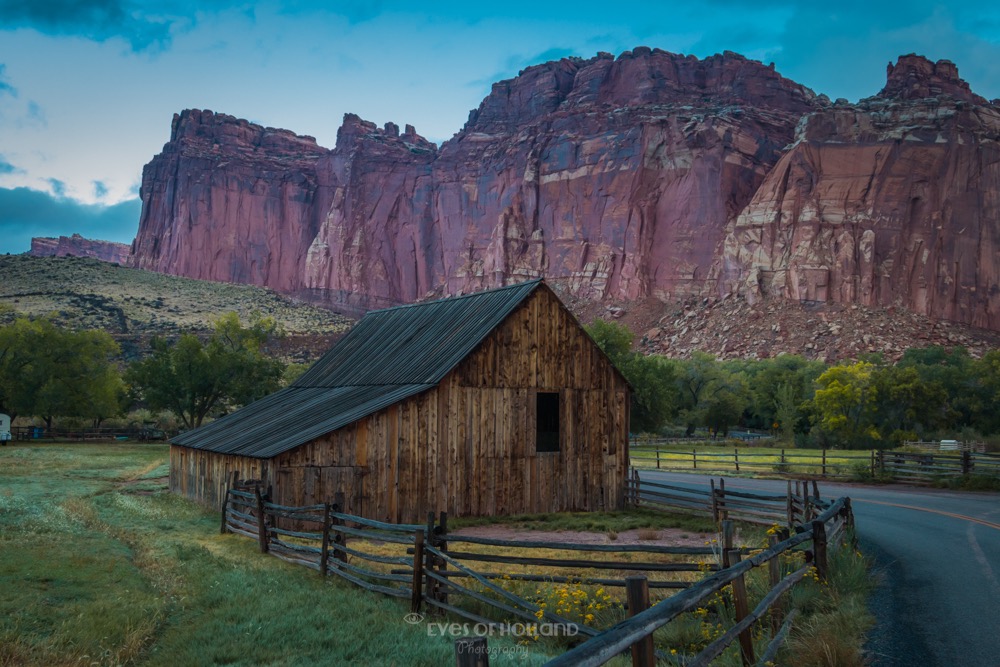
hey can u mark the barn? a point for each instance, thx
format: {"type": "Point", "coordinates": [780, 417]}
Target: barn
{"type": "Point", "coordinates": [486, 404]}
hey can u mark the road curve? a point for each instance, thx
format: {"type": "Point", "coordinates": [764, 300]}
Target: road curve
{"type": "Point", "coordinates": [938, 553]}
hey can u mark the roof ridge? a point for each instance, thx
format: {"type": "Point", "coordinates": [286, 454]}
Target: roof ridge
{"type": "Point", "coordinates": [457, 298]}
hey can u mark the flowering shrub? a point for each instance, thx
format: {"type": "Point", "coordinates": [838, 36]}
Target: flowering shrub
{"type": "Point", "coordinates": [575, 601]}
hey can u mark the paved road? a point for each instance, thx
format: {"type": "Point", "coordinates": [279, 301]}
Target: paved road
{"type": "Point", "coordinates": [939, 556]}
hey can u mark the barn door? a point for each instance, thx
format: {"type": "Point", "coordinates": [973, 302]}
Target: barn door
{"type": "Point", "coordinates": [348, 480]}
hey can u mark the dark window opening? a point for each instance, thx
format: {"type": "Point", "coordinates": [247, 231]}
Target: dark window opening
{"type": "Point", "coordinates": [547, 421]}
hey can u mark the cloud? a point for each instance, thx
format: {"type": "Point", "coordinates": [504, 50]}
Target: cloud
{"type": "Point", "coordinates": [7, 167]}
{"type": "Point", "coordinates": [58, 187]}
{"type": "Point", "coordinates": [6, 88]}
{"type": "Point", "coordinates": [100, 190]}
{"type": "Point", "coordinates": [36, 115]}
{"type": "Point", "coordinates": [26, 213]}
{"type": "Point", "coordinates": [99, 20]}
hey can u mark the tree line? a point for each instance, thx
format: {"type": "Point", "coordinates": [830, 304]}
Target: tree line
{"type": "Point", "coordinates": [929, 393]}
{"type": "Point", "coordinates": [49, 372]}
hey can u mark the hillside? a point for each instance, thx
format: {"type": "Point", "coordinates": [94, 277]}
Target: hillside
{"type": "Point", "coordinates": [134, 305]}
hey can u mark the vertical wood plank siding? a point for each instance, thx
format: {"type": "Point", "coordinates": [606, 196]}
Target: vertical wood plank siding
{"type": "Point", "coordinates": [468, 445]}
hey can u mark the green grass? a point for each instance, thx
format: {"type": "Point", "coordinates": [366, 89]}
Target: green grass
{"type": "Point", "coordinates": [99, 565]}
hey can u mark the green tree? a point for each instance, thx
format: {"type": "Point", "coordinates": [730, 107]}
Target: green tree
{"type": "Point", "coordinates": [845, 404]}
{"type": "Point", "coordinates": [987, 375]}
{"type": "Point", "coordinates": [48, 372]}
{"type": "Point", "coordinates": [780, 389]}
{"type": "Point", "coordinates": [711, 394]}
{"type": "Point", "coordinates": [195, 379]}
{"type": "Point", "coordinates": [952, 372]}
{"type": "Point", "coordinates": [906, 404]}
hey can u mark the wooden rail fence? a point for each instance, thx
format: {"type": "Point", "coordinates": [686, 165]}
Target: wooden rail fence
{"type": "Point", "coordinates": [828, 464]}
{"type": "Point", "coordinates": [799, 504]}
{"type": "Point", "coordinates": [918, 468]}
{"type": "Point", "coordinates": [634, 634]}
{"type": "Point", "coordinates": [438, 571]}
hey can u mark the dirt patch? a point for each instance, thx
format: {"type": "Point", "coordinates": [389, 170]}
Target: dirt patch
{"type": "Point", "coordinates": [673, 537]}
{"type": "Point", "coordinates": [144, 487]}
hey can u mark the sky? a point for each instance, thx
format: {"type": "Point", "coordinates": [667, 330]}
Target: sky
{"type": "Point", "coordinates": [88, 88]}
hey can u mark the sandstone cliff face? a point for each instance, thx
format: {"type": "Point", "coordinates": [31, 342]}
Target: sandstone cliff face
{"type": "Point", "coordinates": [893, 200]}
{"type": "Point", "coordinates": [231, 201]}
{"type": "Point", "coordinates": [646, 175]}
{"type": "Point", "coordinates": [616, 175]}
{"type": "Point", "coordinates": [77, 246]}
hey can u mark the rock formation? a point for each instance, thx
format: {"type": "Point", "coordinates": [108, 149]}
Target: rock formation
{"type": "Point", "coordinates": [231, 201]}
{"type": "Point", "coordinates": [646, 175]}
{"type": "Point", "coordinates": [893, 200]}
{"type": "Point", "coordinates": [77, 246]}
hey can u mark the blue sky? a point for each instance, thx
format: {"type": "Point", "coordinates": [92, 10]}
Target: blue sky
{"type": "Point", "coordinates": [88, 87]}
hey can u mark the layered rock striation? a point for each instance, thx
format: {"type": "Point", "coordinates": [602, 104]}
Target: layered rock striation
{"type": "Point", "coordinates": [646, 175]}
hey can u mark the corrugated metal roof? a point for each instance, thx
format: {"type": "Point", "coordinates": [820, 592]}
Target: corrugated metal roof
{"type": "Point", "coordinates": [389, 355]}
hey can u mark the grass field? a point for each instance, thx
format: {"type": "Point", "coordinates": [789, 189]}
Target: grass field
{"type": "Point", "coordinates": [99, 565]}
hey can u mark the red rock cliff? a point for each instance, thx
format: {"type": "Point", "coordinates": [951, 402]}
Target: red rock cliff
{"type": "Point", "coordinates": [232, 201]}
{"type": "Point", "coordinates": [77, 246]}
{"type": "Point", "coordinates": [617, 174]}
{"type": "Point", "coordinates": [893, 200]}
{"type": "Point", "coordinates": [649, 174]}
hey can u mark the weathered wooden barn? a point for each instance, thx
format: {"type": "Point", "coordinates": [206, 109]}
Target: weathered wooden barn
{"type": "Point", "coordinates": [487, 404]}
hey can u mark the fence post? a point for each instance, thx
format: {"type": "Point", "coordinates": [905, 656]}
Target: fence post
{"type": "Point", "coordinates": [324, 556]}
{"type": "Point", "coordinates": [471, 652]}
{"type": "Point", "coordinates": [727, 540]}
{"type": "Point", "coordinates": [417, 594]}
{"type": "Point", "coordinates": [694, 458]}
{"type": "Point", "coordinates": [819, 548]}
{"type": "Point", "coordinates": [736, 458]}
{"type": "Point", "coordinates": [261, 525]}
{"type": "Point", "coordinates": [431, 585]}
{"type": "Point", "coordinates": [722, 499]}
{"type": "Point", "coordinates": [715, 503]}
{"type": "Point", "coordinates": [790, 506]}
{"type": "Point", "coordinates": [443, 546]}
{"type": "Point", "coordinates": [782, 456]}
{"type": "Point", "coordinates": [815, 490]}
{"type": "Point", "coordinates": [225, 506]}
{"type": "Point", "coordinates": [966, 462]}
{"type": "Point", "coordinates": [824, 463]}
{"type": "Point", "coordinates": [657, 459]}
{"type": "Point", "coordinates": [742, 609]}
{"type": "Point", "coordinates": [339, 538]}
{"type": "Point", "coordinates": [774, 578]}
{"type": "Point", "coordinates": [637, 595]}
